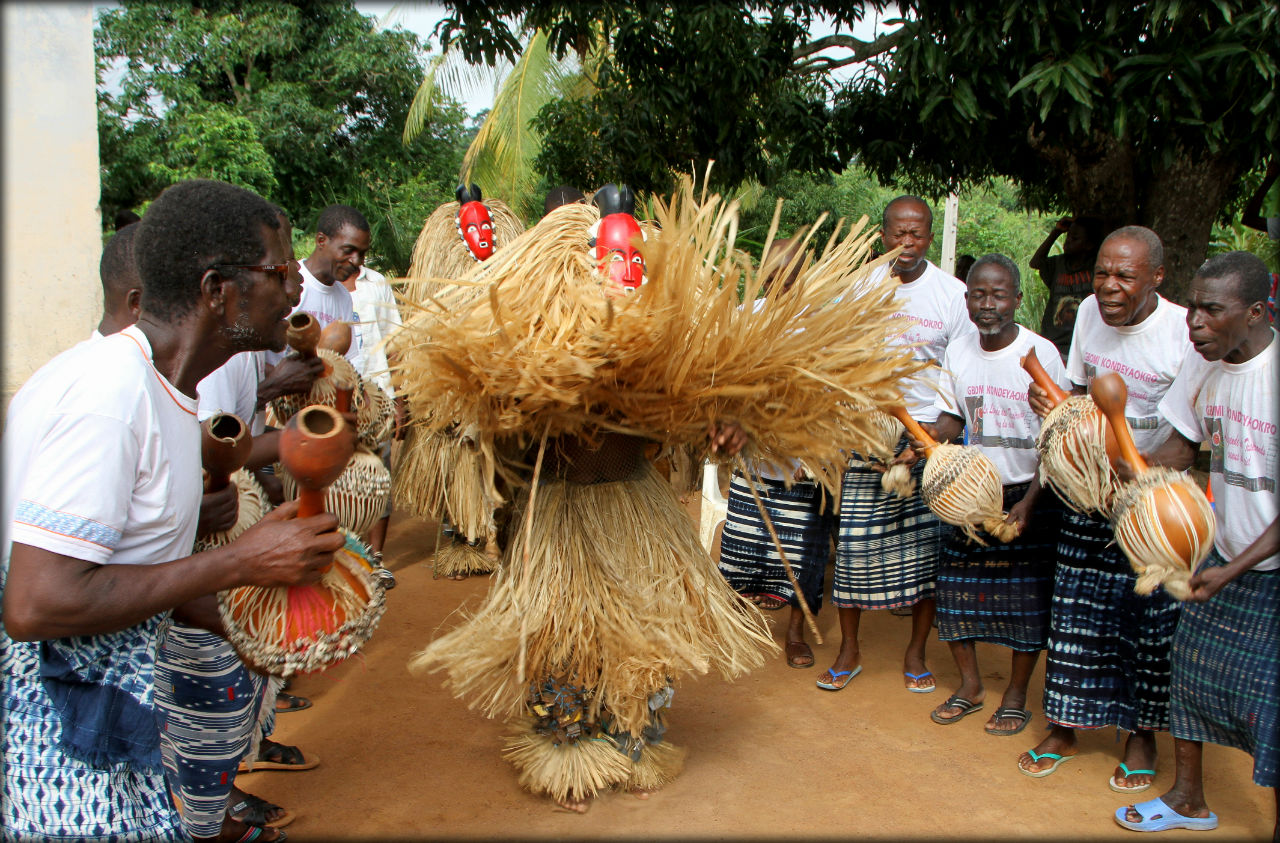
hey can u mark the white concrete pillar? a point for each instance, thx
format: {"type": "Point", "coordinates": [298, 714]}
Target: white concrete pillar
{"type": "Point", "coordinates": [52, 229]}
{"type": "Point", "coordinates": [950, 223]}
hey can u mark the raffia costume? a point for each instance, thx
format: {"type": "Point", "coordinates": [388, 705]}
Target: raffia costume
{"type": "Point", "coordinates": [606, 595]}
{"type": "Point", "coordinates": [442, 473]}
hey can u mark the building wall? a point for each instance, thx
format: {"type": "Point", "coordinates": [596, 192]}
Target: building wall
{"type": "Point", "coordinates": [52, 230]}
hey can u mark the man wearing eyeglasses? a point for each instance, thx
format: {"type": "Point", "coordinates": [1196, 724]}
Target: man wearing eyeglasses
{"type": "Point", "coordinates": [102, 496]}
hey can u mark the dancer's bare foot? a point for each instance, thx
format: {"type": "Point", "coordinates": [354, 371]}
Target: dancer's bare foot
{"type": "Point", "coordinates": [641, 793]}
{"type": "Point", "coordinates": [574, 804]}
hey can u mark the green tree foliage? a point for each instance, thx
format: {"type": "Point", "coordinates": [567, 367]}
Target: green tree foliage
{"type": "Point", "coordinates": [1143, 113]}
{"type": "Point", "coordinates": [301, 101]}
{"type": "Point", "coordinates": [677, 91]}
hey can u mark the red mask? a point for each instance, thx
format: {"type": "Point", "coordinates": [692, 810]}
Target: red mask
{"type": "Point", "coordinates": [617, 257]}
{"type": "Point", "coordinates": [476, 227]}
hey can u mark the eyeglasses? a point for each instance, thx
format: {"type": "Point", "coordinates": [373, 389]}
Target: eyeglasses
{"type": "Point", "coordinates": [279, 269]}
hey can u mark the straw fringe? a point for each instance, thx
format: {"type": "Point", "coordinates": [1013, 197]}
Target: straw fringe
{"type": "Point", "coordinates": [580, 769]}
{"type": "Point", "coordinates": [546, 346]}
{"type": "Point", "coordinates": [620, 595]}
{"type": "Point", "coordinates": [1073, 456]}
{"type": "Point", "coordinates": [440, 252]}
{"type": "Point", "coordinates": [459, 558]}
{"type": "Point", "coordinates": [659, 764]}
{"type": "Point", "coordinates": [1159, 507]}
{"type": "Point", "coordinates": [962, 487]}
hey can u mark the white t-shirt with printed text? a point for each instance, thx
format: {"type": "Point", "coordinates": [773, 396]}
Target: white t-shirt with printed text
{"type": "Point", "coordinates": [1233, 406]}
{"type": "Point", "coordinates": [934, 303]}
{"type": "Point", "coordinates": [102, 458]}
{"type": "Point", "coordinates": [988, 391]}
{"type": "Point", "coordinates": [1147, 355]}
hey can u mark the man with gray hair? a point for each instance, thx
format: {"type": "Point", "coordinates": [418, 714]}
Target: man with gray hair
{"type": "Point", "coordinates": [1108, 661]}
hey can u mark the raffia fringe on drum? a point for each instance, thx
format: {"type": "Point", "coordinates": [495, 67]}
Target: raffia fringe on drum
{"type": "Point", "coordinates": [659, 764]}
{"type": "Point", "coordinates": [617, 594]}
{"type": "Point", "coordinates": [459, 558]}
{"type": "Point", "coordinates": [582, 768]}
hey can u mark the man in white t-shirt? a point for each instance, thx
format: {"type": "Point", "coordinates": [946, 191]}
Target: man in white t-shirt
{"type": "Point", "coordinates": [102, 492]}
{"type": "Point", "coordinates": [998, 593]}
{"type": "Point", "coordinates": [342, 240]}
{"type": "Point", "coordinates": [887, 551]}
{"type": "Point", "coordinates": [1226, 652]}
{"type": "Point", "coordinates": [1108, 658]}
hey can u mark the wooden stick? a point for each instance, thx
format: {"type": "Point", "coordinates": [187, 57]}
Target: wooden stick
{"type": "Point", "coordinates": [786, 565]}
{"type": "Point", "coordinates": [524, 551]}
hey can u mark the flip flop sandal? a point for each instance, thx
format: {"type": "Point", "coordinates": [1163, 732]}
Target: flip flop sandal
{"type": "Point", "coordinates": [1157, 816]}
{"type": "Point", "coordinates": [253, 832]}
{"type": "Point", "coordinates": [291, 703]}
{"type": "Point", "coordinates": [917, 677]}
{"type": "Point", "coordinates": [278, 756]}
{"type": "Point", "coordinates": [836, 674]}
{"type": "Point", "coordinates": [1005, 713]}
{"type": "Point", "coordinates": [769, 603]}
{"type": "Point", "coordinates": [955, 701]}
{"type": "Point", "coordinates": [1138, 788]}
{"type": "Point", "coordinates": [253, 810]}
{"type": "Point", "coordinates": [801, 651]}
{"type": "Point", "coordinates": [1058, 761]}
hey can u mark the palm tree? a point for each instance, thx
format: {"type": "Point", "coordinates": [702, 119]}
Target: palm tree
{"type": "Point", "coordinates": [500, 157]}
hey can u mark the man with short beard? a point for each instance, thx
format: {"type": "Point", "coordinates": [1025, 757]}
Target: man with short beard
{"type": "Point", "coordinates": [1108, 661]}
{"type": "Point", "coordinates": [102, 496]}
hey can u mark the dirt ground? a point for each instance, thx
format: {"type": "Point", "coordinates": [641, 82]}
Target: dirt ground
{"type": "Point", "coordinates": [770, 755]}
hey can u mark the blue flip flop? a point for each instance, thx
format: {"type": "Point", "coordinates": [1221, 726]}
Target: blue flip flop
{"type": "Point", "coordinates": [918, 677]}
{"type": "Point", "coordinates": [836, 674]}
{"type": "Point", "coordinates": [1157, 816]}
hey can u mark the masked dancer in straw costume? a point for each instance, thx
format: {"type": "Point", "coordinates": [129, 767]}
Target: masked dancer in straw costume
{"type": "Point", "coordinates": [1108, 657]}
{"type": "Point", "coordinates": [442, 474]}
{"type": "Point", "coordinates": [998, 592]}
{"type": "Point", "coordinates": [606, 595]}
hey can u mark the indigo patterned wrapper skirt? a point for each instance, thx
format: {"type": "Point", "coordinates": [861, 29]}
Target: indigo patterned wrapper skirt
{"type": "Point", "coordinates": [802, 518]}
{"type": "Point", "coordinates": [1108, 659]}
{"type": "Point", "coordinates": [888, 549]}
{"type": "Point", "coordinates": [207, 707]}
{"type": "Point", "coordinates": [1226, 670]}
{"type": "Point", "coordinates": [1001, 593]}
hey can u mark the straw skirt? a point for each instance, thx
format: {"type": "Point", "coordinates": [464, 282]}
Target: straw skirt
{"type": "Point", "coordinates": [616, 598]}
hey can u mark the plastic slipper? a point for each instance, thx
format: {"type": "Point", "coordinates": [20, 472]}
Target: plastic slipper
{"type": "Point", "coordinates": [291, 703]}
{"type": "Point", "coordinates": [278, 756]}
{"type": "Point", "coordinates": [769, 603]}
{"type": "Point", "coordinates": [836, 674]}
{"type": "Point", "coordinates": [254, 832]}
{"type": "Point", "coordinates": [917, 677]}
{"type": "Point", "coordinates": [1058, 761]}
{"type": "Point", "coordinates": [801, 650]}
{"type": "Point", "coordinates": [1021, 714]}
{"type": "Point", "coordinates": [1138, 788]}
{"type": "Point", "coordinates": [1157, 816]}
{"type": "Point", "coordinates": [253, 810]}
{"type": "Point", "coordinates": [955, 701]}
